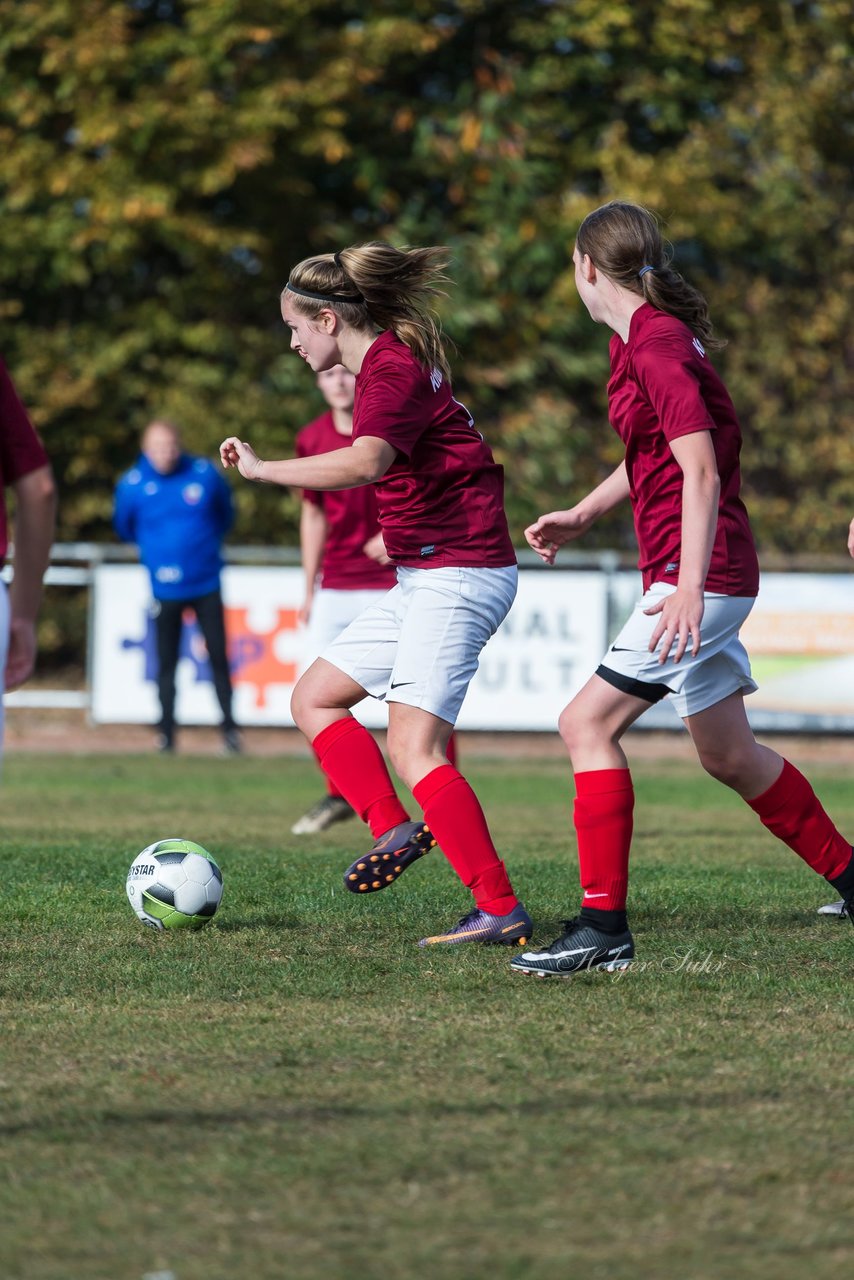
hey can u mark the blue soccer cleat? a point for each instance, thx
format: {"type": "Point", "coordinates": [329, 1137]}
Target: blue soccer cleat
{"type": "Point", "coordinates": [389, 858]}
{"type": "Point", "coordinates": [514, 929]}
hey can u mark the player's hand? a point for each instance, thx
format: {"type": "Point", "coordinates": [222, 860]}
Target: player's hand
{"type": "Point", "coordinates": [304, 611]}
{"type": "Point", "coordinates": [374, 549]}
{"type": "Point", "coordinates": [851, 538]}
{"type": "Point", "coordinates": [21, 658]}
{"type": "Point", "coordinates": [240, 454]}
{"type": "Point", "coordinates": [551, 531]}
{"type": "Point", "coordinates": [681, 616]}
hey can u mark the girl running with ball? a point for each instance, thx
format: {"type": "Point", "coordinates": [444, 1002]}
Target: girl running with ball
{"type": "Point", "coordinates": [440, 506]}
{"type": "Point", "coordinates": [700, 579]}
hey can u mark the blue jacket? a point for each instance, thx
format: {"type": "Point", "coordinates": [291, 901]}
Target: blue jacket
{"type": "Point", "coordinates": [178, 521]}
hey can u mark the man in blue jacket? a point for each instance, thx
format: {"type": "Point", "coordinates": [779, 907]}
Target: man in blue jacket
{"type": "Point", "coordinates": [177, 509]}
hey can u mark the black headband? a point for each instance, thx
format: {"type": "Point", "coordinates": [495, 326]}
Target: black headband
{"type": "Point", "coordinates": [325, 297]}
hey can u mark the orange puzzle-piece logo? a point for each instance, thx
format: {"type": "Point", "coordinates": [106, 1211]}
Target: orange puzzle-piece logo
{"type": "Point", "coordinates": [252, 655]}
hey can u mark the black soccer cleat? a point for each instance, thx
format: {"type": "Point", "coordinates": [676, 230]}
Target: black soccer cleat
{"type": "Point", "coordinates": [389, 858]}
{"type": "Point", "coordinates": [580, 948]}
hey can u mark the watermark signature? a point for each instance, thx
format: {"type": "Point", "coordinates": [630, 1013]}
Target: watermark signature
{"type": "Point", "coordinates": [689, 963]}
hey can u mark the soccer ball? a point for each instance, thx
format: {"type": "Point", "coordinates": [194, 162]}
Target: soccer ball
{"type": "Point", "coordinates": [174, 884]}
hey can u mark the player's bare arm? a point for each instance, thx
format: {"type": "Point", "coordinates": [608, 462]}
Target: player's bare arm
{"type": "Point", "coordinates": [682, 612]}
{"type": "Point", "coordinates": [35, 516]}
{"type": "Point", "coordinates": [313, 532]}
{"type": "Point", "coordinates": [363, 462]}
{"type": "Point", "coordinates": [851, 538]}
{"type": "Point", "coordinates": [550, 532]}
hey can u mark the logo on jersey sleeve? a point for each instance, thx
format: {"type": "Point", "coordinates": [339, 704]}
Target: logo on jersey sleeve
{"type": "Point", "coordinates": [435, 379]}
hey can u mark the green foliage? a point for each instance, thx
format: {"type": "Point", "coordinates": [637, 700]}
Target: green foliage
{"type": "Point", "coordinates": [164, 164]}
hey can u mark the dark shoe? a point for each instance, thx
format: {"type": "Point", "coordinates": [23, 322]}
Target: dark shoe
{"type": "Point", "coordinates": [325, 813]}
{"type": "Point", "coordinates": [581, 947]}
{"type": "Point", "coordinates": [389, 858]}
{"type": "Point", "coordinates": [231, 743]}
{"type": "Point", "coordinates": [514, 929]}
{"type": "Point", "coordinates": [844, 886]}
{"type": "Point", "coordinates": [164, 743]}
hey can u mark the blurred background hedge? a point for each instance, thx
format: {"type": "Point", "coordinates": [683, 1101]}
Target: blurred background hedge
{"type": "Point", "coordinates": [162, 164]}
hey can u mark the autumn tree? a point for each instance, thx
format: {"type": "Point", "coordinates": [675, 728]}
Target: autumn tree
{"type": "Point", "coordinates": [164, 162]}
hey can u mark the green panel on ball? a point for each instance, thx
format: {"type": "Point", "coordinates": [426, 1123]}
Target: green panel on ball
{"type": "Point", "coordinates": [178, 920]}
{"type": "Point", "coordinates": [154, 907]}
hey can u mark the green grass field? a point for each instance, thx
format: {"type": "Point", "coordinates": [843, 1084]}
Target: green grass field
{"type": "Point", "coordinates": [299, 1091]}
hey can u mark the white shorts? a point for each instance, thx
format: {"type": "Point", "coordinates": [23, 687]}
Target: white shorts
{"type": "Point", "coordinates": [696, 683]}
{"type": "Point", "coordinates": [4, 651]}
{"type": "Point", "coordinates": [421, 643]}
{"type": "Point", "coordinates": [331, 611]}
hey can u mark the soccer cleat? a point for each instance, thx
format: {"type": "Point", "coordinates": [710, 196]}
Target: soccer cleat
{"type": "Point", "coordinates": [833, 909]}
{"type": "Point", "coordinates": [389, 858]}
{"type": "Point", "coordinates": [511, 930]}
{"type": "Point", "coordinates": [325, 813]}
{"type": "Point", "coordinates": [164, 743]}
{"type": "Point", "coordinates": [231, 742]}
{"type": "Point", "coordinates": [581, 947]}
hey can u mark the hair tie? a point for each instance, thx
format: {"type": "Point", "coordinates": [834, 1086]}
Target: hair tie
{"type": "Point", "coordinates": [643, 272]}
{"type": "Point", "coordinates": [336, 258]}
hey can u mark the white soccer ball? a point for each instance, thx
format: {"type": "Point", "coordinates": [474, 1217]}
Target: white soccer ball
{"type": "Point", "coordinates": [174, 884]}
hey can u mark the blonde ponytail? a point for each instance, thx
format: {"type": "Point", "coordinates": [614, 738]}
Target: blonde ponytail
{"type": "Point", "coordinates": [378, 286]}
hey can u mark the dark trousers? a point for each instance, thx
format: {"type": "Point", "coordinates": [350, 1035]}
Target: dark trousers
{"type": "Point", "coordinates": [168, 620]}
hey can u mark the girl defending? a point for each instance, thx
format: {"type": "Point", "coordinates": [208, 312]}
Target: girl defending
{"type": "Point", "coordinates": [700, 578]}
{"type": "Point", "coordinates": [440, 506]}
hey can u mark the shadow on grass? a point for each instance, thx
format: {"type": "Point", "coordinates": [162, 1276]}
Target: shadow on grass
{"type": "Point", "coordinates": [181, 1119]}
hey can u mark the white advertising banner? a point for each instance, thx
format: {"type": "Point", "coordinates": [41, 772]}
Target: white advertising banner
{"type": "Point", "coordinates": [550, 643]}
{"type": "Point", "coordinates": [800, 638]}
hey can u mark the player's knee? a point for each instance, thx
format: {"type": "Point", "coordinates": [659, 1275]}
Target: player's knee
{"type": "Point", "coordinates": [723, 765]}
{"type": "Point", "coordinates": [302, 704]}
{"type": "Point", "coordinates": [574, 727]}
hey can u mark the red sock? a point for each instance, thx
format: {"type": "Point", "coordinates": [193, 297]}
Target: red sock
{"type": "Point", "coordinates": [791, 811]}
{"type": "Point", "coordinates": [331, 789]}
{"type": "Point", "coordinates": [451, 750]}
{"type": "Point", "coordinates": [353, 762]}
{"type": "Point", "coordinates": [452, 812]}
{"type": "Point", "coordinates": [604, 806]}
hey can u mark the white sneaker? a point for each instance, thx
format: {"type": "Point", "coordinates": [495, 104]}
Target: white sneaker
{"type": "Point", "coordinates": [327, 811]}
{"type": "Point", "coordinates": [833, 909]}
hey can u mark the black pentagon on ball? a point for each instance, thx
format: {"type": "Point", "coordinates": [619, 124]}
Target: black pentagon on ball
{"type": "Point", "coordinates": [170, 859]}
{"type": "Point", "coordinates": [217, 874]}
{"type": "Point", "coordinates": [207, 910]}
{"type": "Point", "coordinates": [162, 894]}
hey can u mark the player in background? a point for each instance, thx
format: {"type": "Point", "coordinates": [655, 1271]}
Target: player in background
{"type": "Point", "coordinates": [26, 471]}
{"type": "Point", "coordinates": [700, 577]}
{"type": "Point", "coordinates": [839, 908]}
{"type": "Point", "coordinates": [343, 558]}
{"type": "Point", "coordinates": [177, 508]}
{"type": "Point", "coordinates": [440, 504]}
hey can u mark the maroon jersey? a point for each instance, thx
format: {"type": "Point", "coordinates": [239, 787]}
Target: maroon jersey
{"type": "Point", "coordinates": [441, 502]}
{"type": "Point", "coordinates": [351, 518]}
{"type": "Point", "coordinates": [21, 450]}
{"type": "Point", "coordinates": [663, 386]}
